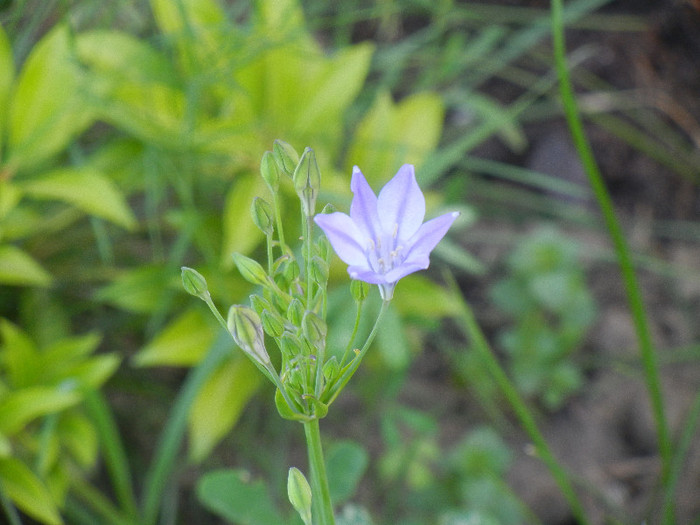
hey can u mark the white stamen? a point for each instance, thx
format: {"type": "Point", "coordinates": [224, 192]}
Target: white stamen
{"type": "Point", "coordinates": [396, 231]}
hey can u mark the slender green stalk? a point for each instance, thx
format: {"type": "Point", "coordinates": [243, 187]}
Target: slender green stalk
{"type": "Point", "coordinates": [94, 499]}
{"type": "Point", "coordinates": [679, 458]}
{"type": "Point", "coordinates": [521, 410]}
{"type": "Point", "coordinates": [113, 450]}
{"type": "Point", "coordinates": [348, 348]}
{"type": "Point", "coordinates": [634, 296]}
{"type": "Point", "coordinates": [10, 510]}
{"type": "Point", "coordinates": [355, 363]}
{"type": "Point", "coordinates": [321, 500]}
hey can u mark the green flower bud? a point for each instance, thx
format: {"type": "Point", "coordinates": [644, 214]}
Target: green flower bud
{"type": "Point", "coordinates": [270, 172]}
{"type": "Point", "coordinates": [290, 346]}
{"type": "Point", "coordinates": [314, 329]}
{"type": "Point", "coordinates": [359, 290]}
{"type": "Point", "coordinates": [259, 303]}
{"type": "Point", "coordinates": [194, 283]}
{"type": "Point", "coordinates": [307, 181]}
{"type": "Point", "coordinates": [246, 329]}
{"type": "Point", "coordinates": [272, 323]}
{"type": "Point", "coordinates": [323, 248]}
{"type": "Point", "coordinates": [250, 269]}
{"type": "Point", "coordinates": [299, 493]}
{"type": "Point", "coordinates": [263, 215]}
{"type": "Point", "coordinates": [295, 312]}
{"type": "Point", "coordinates": [285, 156]}
{"type": "Point", "coordinates": [290, 270]}
{"type": "Point", "coordinates": [319, 270]}
{"type": "Point", "coordinates": [331, 369]}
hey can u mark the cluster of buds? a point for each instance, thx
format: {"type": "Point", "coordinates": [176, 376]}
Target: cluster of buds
{"type": "Point", "coordinates": [289, 306]}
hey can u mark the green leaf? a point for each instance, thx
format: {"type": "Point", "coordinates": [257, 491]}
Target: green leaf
{"type": "Point", "coordinates": [197, 28]}
{"type": "Point", "coordinates": [391, 134]}
{"type": "Point", "coordinates": [500, 118]}
{"type": "Point", "coordinates": [239, 234]}
{"type": "Point", "coordinates": [86, 189]}
{"type": "Point", "coordinates": [48, 108]}
{"type": "Point", "coordinates": [346, 463]}
{"type": "Point", "coordinates": [183, 342]}
{"type": "Point", "coordinates": [17, 267]}
{"type": "Point", "coordinates": [220, 403]}
{"type": "Point", "coordinates": [95, 371]}
{"type": "Point", "coordinates": [231, 495]}
{"type": "Point", "coordinates": [392, 342]}
{"type": "Point", "coordinates": [139, 290]}
{"type": "Point", "coordinates": [20, 355]}
{"type": "Point", "coordinates": [19, 407]}
{"type": "Point", "coordinates": [418, 296]}
{"type": "Point", "coordinates": [27, 491]}
{"type": "Point", "coordinates": [79, 437]}
{"type": "Point", "coordinates": [7, 77]}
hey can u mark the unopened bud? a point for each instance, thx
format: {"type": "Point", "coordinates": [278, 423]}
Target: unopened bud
{"type": "Point", "coordinates": [290, 346]}
{"type": "Point", "coordinates": [246, 328]}
{"type": "Point", "coordinates": [194, 283]}
{"type": "Point", "coordinates": [359, 290]}
{"type": "Point", "coordinates": [299, 493]}
{"type": "Point", "coordinates": [272, 323]}
{"type": "Point", "coordinates": [285, 156]}
{"type": "Point", "coordinates": [331, 369]}
{"type": "Point", "coordinates": [263, 216]}
{"type": "Point", "coordinates": [259, 303]}
{"type": "Point", "coordinates": [307, 181]}
{"type": "Point", "coordinates": [270, 172]}
{"type": "Point", "coordinates": [295, 312]}
{"type": "Point", "coordinates": [250, 269]}
{"type": "Point", "coordinates": [319, 270]}
{"type": "Point", "coordinates": [314, 329]}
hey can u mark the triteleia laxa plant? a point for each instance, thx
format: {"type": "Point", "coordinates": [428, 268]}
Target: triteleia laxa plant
{"type": "Point", "coordinates": [382, 240]}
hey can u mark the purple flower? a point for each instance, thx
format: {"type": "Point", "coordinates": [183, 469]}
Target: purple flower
{"type": "Point", "coordinates": [384, 238]}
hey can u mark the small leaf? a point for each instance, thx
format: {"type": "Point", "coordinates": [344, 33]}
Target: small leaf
{"type": "Point", "coordinates": [78, 435]}
{"type": "Point", "coordinates": [48, 108]}
{"type": "Point", "coordinates": [20, 355]}
{"type": "Point", "coordinates": [183, 342]}
{"type": "Point", "coordinates": [19, 407]}
{"type": "Point", "coordinates": [231, 495]}
{"type": "Point", "coordinates": [86, 189]}
{"type": "Point", "coordinates": [7, 77]}
{"type": "Point", "coordinates": [27, 491]}
{"type": "Point", "coordinates": [17, 267]}
{"type": "Point", "coordinates": [220, 403]}
{"type": "Point", "coordinates": [239, 235]}
{"type": "Point", "coordinates": [346, 463]}
{"type": "Point", "coordinates": [139, 290]}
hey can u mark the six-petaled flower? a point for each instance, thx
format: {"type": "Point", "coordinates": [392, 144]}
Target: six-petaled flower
{"type": "Point", "coordinates": [384, 238]}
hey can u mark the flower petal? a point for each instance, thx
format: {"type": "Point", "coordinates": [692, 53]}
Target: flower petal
{"type": "Point", "coordinates": [427, 237]}
{"type": "Point", "coordinates": [363, 208]}
{"type": "Point", "coordinates": [362, 273]}
{"type": "Point", "coordinates": [345, 237]}
{"type": "Point", "coordinates": [402, 271]}
{"type": "Point", "coordinates": [401, 205]}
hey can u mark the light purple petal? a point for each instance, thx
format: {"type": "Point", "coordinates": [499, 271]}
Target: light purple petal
{"type": "Point", "coordinates": [427, 237]}
{"type": "Point", "coordinates": [402, 271]}
{"type": "Point", "coordinates": [345, 237]}
{"type": "Point", "coordinates": [401, 205]}
{"type": "Point", "coordinates": [363, 208]}
{"type": "Point", "coordinates": [362, 273]}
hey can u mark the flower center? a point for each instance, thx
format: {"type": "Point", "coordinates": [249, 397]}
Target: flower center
{"type": "Point", "coordinates": [385, 253]}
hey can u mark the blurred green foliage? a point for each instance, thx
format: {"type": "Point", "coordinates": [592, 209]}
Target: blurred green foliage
{"type": "Point", "coordinates": [546, 295]}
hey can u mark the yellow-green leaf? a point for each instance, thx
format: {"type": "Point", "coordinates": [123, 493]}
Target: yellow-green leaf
{"type": "Point", "coordinates": [20, 355]}
{"type": "Point", "coordinates": [182, 343]}
{"type": "Point", "coordinates": [84, 188]}
{"type": "Point", "coordinates": [7, 76]}
{"type": "Point", "coordinates": [240, 235]}
{"type": "Point", "coordinates": [28, 492]}
{"type": "Point", "coordinates": [140, 290]}
{"type": "Point", "coordinates": [78, 435]}
{"type": "Point", "coordinates": [48, 108]}
{"type": "Point", "coordinates": [17, 267]}
{"type": "Point", "coordinates": [19, 407]}
{"type": "Point", "coordinates": [219, 404]}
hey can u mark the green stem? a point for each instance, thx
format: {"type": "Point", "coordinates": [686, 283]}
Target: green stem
{"type": "Point", "coordinates": [348, 348]}
{"type": "Point", "coordinates": [521, 410]}
{"type": "Point", "coordinates": [634, 296]}
{"type": "Point", "coordinates": [278, 220]}
{"type": "Point", "coordinates": [321, 500]}
{"type": "Point", "coordinates": [355, 363]}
